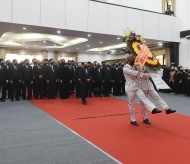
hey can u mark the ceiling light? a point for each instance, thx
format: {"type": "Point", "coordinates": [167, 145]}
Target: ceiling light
{"type": "Point", "coordinates": [23, 42]}
{"type": "Point", "coordinates": [26, 47]}
{"type": "Point", "coordinates": [100, 52]}
{"type": "Point", "coordinates": [77, 48]}
{"type": "Point", "coordinates": [68, 50]}
{"type": "Point", "coordinates": [118, 38]}
{"type": "Point", "coordinates": [3, 46]}
{"type": "Point", "coordinates": [101, 42]}
{"type": "Point", "coordinates": [44, 41]}
{"type": "Point", "coordinates": [89, 35]}
{"type": "Point", "coordinates": [88, 45]}
{"type": "Point", "coordinates": [24, 28]}
{"type": "Point", "coordinates": [54, 44]}
{"type": "Point", "coordinates": [144, 41]}
{"type": "Point", "coordinates": [34, 45]}
{"type": "Point", "coordinates": [160, 44]}
{"type": "Point", "coordinates": [47, 49]}
{"type": "Point", "coordinates": [59, 32]}
{"type": "Point", "coordinates": [11, 40]}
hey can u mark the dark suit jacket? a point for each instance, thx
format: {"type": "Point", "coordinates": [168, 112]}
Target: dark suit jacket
{"type": "Point", "coordinates": [116, 74]}
{"type": "Point", "coordinates": [14, 73]}
{"type": "Point", "coordinates": [38, 71]}
{"type": "Point", "coordinates": [64, 74]}
{"type": "Point", "coordinates": [26, 73]}
{"type": "Point", "coordinates": [106, 73]}
{"type": "Point", "coordinates": [97, 74]}
{"type": "Point", "coordinates": [3, 73]}
{"type": "Point", "coordinates": [50, 74]}
{"type": "Point", "coordinates": [84, 76]}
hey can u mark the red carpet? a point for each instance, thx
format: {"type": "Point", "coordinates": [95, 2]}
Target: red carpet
{"type": "Point", "coordinates": [105, 122]}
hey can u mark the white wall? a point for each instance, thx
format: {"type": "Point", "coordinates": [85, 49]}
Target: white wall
{"type": "Point", "coordinates": [184, 53]}
{"type": "Point", "coordinates": [85, 15]}
{"type": "Point", "coordinates": [151, 5]}
{"type": "Point", "coordinates": [82, 57]}
{"type": "Point", "coordinates": [112, 57]}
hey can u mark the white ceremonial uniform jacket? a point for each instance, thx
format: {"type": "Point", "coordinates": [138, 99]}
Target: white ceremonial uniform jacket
{"type": "Point", "coordinates": [130, 74]}
{"type": "Point", "coordinates": [145, 84]}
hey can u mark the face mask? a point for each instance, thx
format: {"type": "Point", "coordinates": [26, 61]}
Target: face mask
{"type": "Point", "coordinates": [85, 66]}
{"type": "Point", "coordinates": [15, 63]}
{"type": "Point", "coordinates": [116, 66]}
{"type": "Point", "coordinates": [27, 63]}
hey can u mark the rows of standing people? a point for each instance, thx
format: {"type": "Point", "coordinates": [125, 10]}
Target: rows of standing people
{"type": "Point", "coordinates": [178, 78]}
{"type": "Point", "coordinates": [48, 79]}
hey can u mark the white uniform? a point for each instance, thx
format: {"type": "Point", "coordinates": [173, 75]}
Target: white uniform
{"type": "Point", "coordinates": [148, 89]}
{"type": "Point", "coordinates": [133, 89]}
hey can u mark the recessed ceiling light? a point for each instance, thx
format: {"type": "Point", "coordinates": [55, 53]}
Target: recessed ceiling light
{"type": "Point", "coordinates": [23, 42]}
{"type": "Point", "coordinates": [24, 28]}
{"type": "Point", "coordinates": [26, 47]}
{"type": "Point", "coordinates": [68, 50]}
{"type": "Point", "coordinates": [54, 44]}
{"type": "Point", "coordinates": [118, 38]}
{"type": "Point", "coordinates": [59, 32]}
{"type": "Point", "coordinates": [88, 45]}
{"type": "Point", "coordinates": [11, 40]}
{"type": "Point", "coordinates": [100, 52]}
{"type": "Point", "coordinates": [101, 42]}
{"type": "Point", "coordinates": [44, 41]}
{"type": "Point", "coordinates": [34, 45]}
{"type": "Point", "coordinates": [47, 49]}
{"type": "Point", "coordinates": [77, 48]}
{"type": "Point", "coordinates": [3, 46]}
{"type": "Point", "coordinates": [160, 44]}
{"type": "Point", "coordinates": [144, 41]}
{"type": "Point", "coordinates": [89, 35]}
{"type": "Point", "coordinates": [124, 48]}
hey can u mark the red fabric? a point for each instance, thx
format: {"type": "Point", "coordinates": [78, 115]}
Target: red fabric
{"type": "Point", "coordinates": [165, 141]}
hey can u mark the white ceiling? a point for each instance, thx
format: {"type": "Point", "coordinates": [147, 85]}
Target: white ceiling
{"type": "Point", "coordinates": [92, 42]}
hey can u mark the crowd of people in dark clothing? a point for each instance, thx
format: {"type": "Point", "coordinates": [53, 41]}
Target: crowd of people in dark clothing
{"type": "Point", "coordinates": [50, 79]}
{"type": "Point", "coordinates": [178, 78]}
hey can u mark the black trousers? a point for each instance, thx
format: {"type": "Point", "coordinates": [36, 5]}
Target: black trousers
{"type": "Point", "coordinates": [106, 88]}
{"type": "Point", "coordinates": [123, 87]}
{"type": "Point", "coordinates": [3, 89]}
{"type": "Point", "coordinates": [84, 90]}
{"type": "Point", "coordinates": [27, 86]}
{"type": "Point", "coordinates": [15, 89]}
{"type": "Point", "coordinates": [38, 87]}
{"type": "Point", "coordinates": [171, 85]}
{"type": "Point", "coordinates": [51, 86]}
{"type": "Point", "coordinates": [116, 88]}
{"type": "Point", "coordinates": [98, 88]}
{"type": "Point", "coordinates": [78, 90]}
{"type": "Point", "coordinates": [64, 89]}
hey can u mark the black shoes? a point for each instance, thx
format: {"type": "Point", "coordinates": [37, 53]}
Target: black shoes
{"type": "Point", "coordinates": [168, 111]}
{"type": "Point", "coordinates": [135, 123]}
{"type": "Point", "coordinates": [84, 102]}
{"type": "Point", "coordinates": [155, 111]}
{"type": "Point", "coordinates": [146, 121]}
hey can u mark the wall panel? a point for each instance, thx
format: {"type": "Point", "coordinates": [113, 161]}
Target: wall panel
{"type": "Point", "coordinates": [151, 25]}
{"type": "Point", "coordinates": [166, 33]}
{"type": "Point", "coordinates": [53, 13]}
{"type": "Point", "coordinates": [135, 20]}
{"type": "Point", "coordinates": [19, 11]}
{"type": "Point", "coordinates": [5, 8]}
{"type": "Point", "coordinates": [117, 20]}
{"type": "Point", "coordinates": [33, 12]}
{"type": "Point", "coordinates": [77, 15]}
{"type": "Point", "coordinates": [98, 17]}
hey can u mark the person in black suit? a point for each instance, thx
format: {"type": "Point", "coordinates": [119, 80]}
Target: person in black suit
{"type": "Point", "coordinates": [3, 79]}
{"type": "Point", "coordinates": [77, 80]}
{"type": "Point", "coordinates": [51, 76]}
{"type": "Point", "coordinates": [106, 79]}
{"type": "Point", "coordinates": [65, 80]}
{"type": "Point", "coordinates": [85, 78]}
{"type": "Point", "coordinates": [116, 79]}
{"type": "Point", "coordinates": [8, 86]}
{"type": "Point", "coordinates": [98, 80]}
{"type": "Point", "coordinates": [27, 79]}
{"type": "Point", "coordinates": [73, 77]}
{"type": "Point", "coordinates": [38, 72]}
{"type": "Point", "coordinates": [15, 79]}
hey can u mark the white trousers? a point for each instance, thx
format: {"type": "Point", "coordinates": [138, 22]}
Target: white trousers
{"type": "Point", "coordinates": [154, 95]}
{"type": "Point", "coordinates": [131, 97]}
